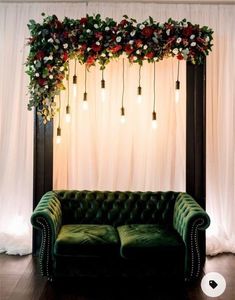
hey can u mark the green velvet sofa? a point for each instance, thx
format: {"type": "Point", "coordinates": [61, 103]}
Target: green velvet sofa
{"type": "Point", "coordinates": [121, 234]}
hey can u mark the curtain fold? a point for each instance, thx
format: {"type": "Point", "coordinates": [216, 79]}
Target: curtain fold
{"type": "Point", "coordinates": [16, 124]}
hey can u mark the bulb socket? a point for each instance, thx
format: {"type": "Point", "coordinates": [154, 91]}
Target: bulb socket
{"type": "Point", "coordinates": [58, 131]}
{"type": "Point", "coordinates": [67, 109]}
{"type": "Point", "coordinates": [122, 111]}
{"type": "Point", "coordinates": [154, 116]}
{"type": "Point", "coordinates": [177, 85]}
{"type": "Point", "coordinates": [103, 84]}
{"type": "Point", "coordinates": [75, 79]}
{"type": "Point", "coordinates": [139, 90]}
{"type": "Point", "coordinates": [85, 96]}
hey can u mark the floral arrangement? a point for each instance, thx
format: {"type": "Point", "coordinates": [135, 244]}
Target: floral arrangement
{"type": "Point", "coordinates": [92, 39]}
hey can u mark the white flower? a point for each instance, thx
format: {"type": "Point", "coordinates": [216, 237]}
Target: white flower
{"type": "Point", "coordinates": [50, 57]}
{"type": "Point", "coordinates": [62, 68]}
{"type": "Point", "coordinates": [207, 39]}
{"type": "Point", "coordinates": [138, 52]}
{"type": "Point", "coordinates": [132, 33]}
{"type": "Point", "coordinates": [185, 24]}
{"type": "Point", "coordinates": [118, 39]}
{"type": "Point", "coordinates": [192, 37]}
{"type": "Point", "coordinates": [50, 40]}
{"type": "Point", "coordinates": [65, 46]}
{"type": "Point", "coordinates": [96, 26]}
{"type": "Point", "coordinates": [175, 51]}
{"type": "Point", "coordinates": [110, 54]}
{"type": "Point", "coordinates": [168, 31]}
{"type": "Point", "coordinates": [46, 58]}
{"type": "Point", "coordinates": [51, 76]}
{"type": "Point", "coordinates": [88, 31]}
{"type": "Point", "coordinates": [193, 44]}
{"type": "Point", "coordinates": [155, 58]}
{"type": "Point", "coordinates": [178, 40]}
{"type": "Point", "coordinates": [106, 28]}
{"type": "Point", "coordinates": [142, 26]}
{"type": "Point", "coordinates": [135, 58]}
{"type": "Point", "coordinates": [131, 42]}
{"type": "Point", "coordinates": [98, 43]}
{"type": "Point", "coordinates": [145, 47]}
{"type": "Point", "coordinates": [185, 53]}
{"type": "Point", "coordinates": [103, 55]}
{"type": "Point", "coordinates": [37, 74]}
{"type": "Point", "coordinates": [46, 86]}
{"type": "Point", "coordinates": [88, 48]}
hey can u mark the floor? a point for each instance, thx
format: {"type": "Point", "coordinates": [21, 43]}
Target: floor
{"type": "Point", "coordinates": [20, 280]}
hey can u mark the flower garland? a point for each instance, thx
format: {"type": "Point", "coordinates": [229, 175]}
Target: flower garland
{"type": "Point", "coordinates": [92, 39]}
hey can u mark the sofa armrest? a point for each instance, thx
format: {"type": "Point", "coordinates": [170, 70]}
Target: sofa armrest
{"type": "Point", "coordinates": [47, 217]}
{"type": "Point", "coordinates": [190, 219]}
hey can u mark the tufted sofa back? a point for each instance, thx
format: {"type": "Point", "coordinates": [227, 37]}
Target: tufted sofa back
{"type": "Point", "coordinates": [117, 208]}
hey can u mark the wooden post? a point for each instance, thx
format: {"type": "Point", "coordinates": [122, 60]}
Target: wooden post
{"type": "Point", "coordinates": [43, 166]}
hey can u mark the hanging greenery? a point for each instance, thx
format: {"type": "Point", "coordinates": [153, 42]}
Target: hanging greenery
{"type": "Point", "coordinates": [92, 39]}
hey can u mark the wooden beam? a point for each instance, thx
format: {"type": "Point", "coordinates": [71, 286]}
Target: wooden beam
{"type": "Point", "coordinates": [43, 165]}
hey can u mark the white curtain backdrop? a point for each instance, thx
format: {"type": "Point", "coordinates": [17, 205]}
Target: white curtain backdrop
{"type": "Point", "coordinates": [96, 169]}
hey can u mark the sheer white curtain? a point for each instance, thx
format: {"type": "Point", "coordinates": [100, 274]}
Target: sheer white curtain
{"type": "Point", "coordinates": [16, 124]}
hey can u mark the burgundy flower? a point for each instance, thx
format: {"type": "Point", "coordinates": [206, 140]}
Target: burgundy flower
{"type": "Point", "coordinates": [147, 31]}
{"type": "Point", "coordinates": [123, 23]}
{"type": "Point", "coordinates": [41, 81]}
{"type": "Point", "coordinates": [115, 48]}
{"type": "Point", "coordinates": [65, 34]}
{"type": "Point", "coordinates": [138, 43]}
{"type": "Point", "coordinates": [90, 60]}
{"type": "Point", "coordinates": [128, 49]}
{"type": "Point", "coordinates": [40, 54]}
{"type": "Point", "coordinates": [180, 56]}
{"type": "Point", "coordinates": [96, 47]}
{"type": "Point", "coordinates": [83, 21]}
{"type": "Point", "coordinates": [65, 56]}
{"type": "Point", "coordinates": [99, 35]}
{"type": "Point", "coordinates": [49, 67]}
{"type": "Point", "coordinates": [187, 31]}
{"type": "Point", "coordinates": [149, 55]}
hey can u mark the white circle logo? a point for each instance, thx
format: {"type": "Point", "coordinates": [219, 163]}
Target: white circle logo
{"type": "Point", "coordinates": [213, 284]}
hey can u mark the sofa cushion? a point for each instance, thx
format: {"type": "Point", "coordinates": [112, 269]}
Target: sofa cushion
{"type": "Point", "coordinates": [87, 240]}
{"type": "Point", "coordinates": [149, 241]}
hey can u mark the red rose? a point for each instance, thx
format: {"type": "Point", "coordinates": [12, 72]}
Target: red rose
{"type": "Point", "coordinates": [40, 54]}
{"type": "Point", "coordinates": [90, 60]}
{"type": "Point", "coordinates": [65, 56]}
{"type": "Point", "coordinates": [149, 55]}
{"type": "Point", "coordinates": [138, 43]}
{"type": "Point", "coordinates": [116, 48]}
{"type": "Point", "coordinates": [65, 34]}
{"type": "Point", "coordinates": [83, 21]}
{"type": "Point", "coordinates": [187, 31]}
{"type": "Point", "coordinates": [147, 31]}
{"type": "Point", "coordinates": [180, 56]}
{"type": "Point", "coordinates": [99, 35]}
{"type": "Point", "coordinates": [123, 23]}
{"type": "Point", "coordinates": [41, 81]}
{"type": "Point", "coordinates": [128, 49]}
{"type": "Point", "coordinates": [96, 48]}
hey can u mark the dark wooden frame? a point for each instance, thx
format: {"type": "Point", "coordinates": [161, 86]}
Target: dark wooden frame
{"type": "Point", "coordinates": [195, 143]}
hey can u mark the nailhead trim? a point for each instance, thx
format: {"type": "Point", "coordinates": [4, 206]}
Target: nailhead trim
{"type": "Point", "coordinates": [45, 247]}
{"type": "Point", "coordinates": [194, 244]}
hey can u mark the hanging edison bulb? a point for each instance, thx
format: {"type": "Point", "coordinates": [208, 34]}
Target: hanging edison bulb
{"type": "Point", "coordinates": [58, 135]}
{"type": "Point", "coordinates": [154, 120]}
{"type": "Point", "coordinates": [84, 102]}
{"type": "Point", "coordinates": [123, 117]}
{"type": "Point", "coordinates": [154, 115]}
{"type": "Point", "coordinates": [103, 90]}
{"type": "Point", "coordinates": [177, 85]}
{"type": "Point", "coordinates": [139, 89]}
{"type": "Point", "coordinates": [68, 110]}
{"type": "Point", "coordinates": [58, 131]}
{"type": "Point", "coordinates": [75, 80]}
